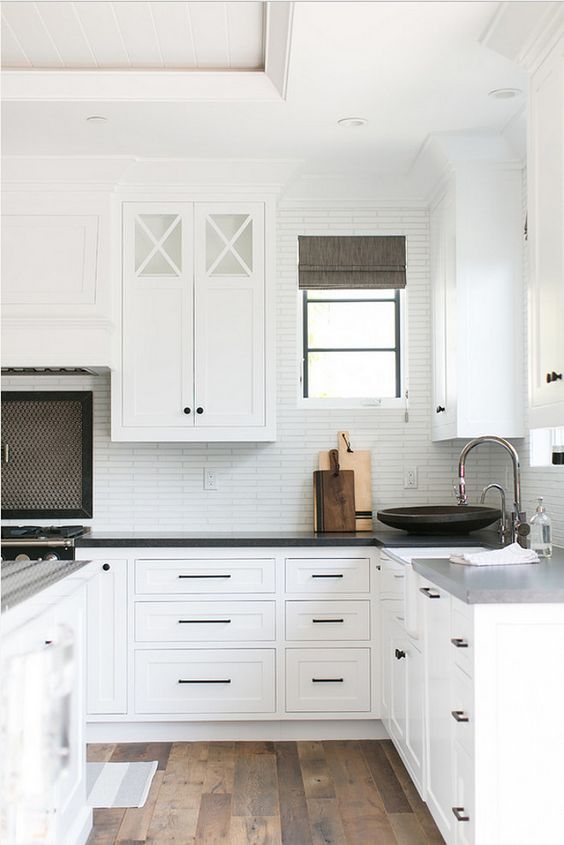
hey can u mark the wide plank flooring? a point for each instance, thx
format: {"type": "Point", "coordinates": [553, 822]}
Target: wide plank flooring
{"type": "Point", "coordinates": [268, 793]}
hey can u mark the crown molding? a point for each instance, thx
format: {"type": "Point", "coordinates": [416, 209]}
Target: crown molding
{"type": "Point", "coordinates": [525, 32]}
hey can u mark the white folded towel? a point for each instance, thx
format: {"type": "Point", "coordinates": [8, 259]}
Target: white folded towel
{"type": "Point", "coordinates": [499, 557]}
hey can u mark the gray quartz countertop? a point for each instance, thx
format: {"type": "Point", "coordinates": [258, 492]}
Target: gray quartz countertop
{"type": "Point", "coordinates": [265, 539]}
{"type": "Point", "coordinates": [20, 580]}
{"type": "Point", "coordinates": [523, 583]}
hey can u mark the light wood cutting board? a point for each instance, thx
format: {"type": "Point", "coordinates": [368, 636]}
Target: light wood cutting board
{"type": "Point", "coordinates": [361, 464]}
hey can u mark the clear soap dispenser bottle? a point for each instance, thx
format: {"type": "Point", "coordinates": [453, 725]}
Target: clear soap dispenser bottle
{"type": "Point", "coordinates": [541, 532]}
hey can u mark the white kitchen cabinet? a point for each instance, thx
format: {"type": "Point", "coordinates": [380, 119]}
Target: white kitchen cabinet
{"type": "Point", "coordinates": [436, 622]}
{"type": "Point", "coordinates": [194, 324]}
{"type": "Point", "coordinates": [477, 303]}
{"type": "Point", "coordinates": [106, 639]}
{"type": "Point", "coordinates": [546, 241]}
{"type": "Point", "coordinates": [250, 632]}
{"type": "Point", "coordinates": [403, 690]}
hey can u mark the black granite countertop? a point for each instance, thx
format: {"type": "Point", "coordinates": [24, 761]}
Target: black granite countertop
{"type": "Point", "coordinates": [530, 583]}
{"type": "Point", "coordinates": [265, 539]}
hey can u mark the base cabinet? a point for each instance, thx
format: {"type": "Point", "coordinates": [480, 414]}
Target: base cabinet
{"type": "Point", "coordinates": [106, 639]}
{"type": "Point", "coordinates": [180, 635]}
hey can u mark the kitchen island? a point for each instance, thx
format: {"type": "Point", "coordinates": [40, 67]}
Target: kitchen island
{"type": "Point", "coordinates": [43, 626]}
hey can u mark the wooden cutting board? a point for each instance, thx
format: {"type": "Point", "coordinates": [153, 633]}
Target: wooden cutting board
{"type": "Point", "coordinates": [361, 464]}
{"type": "Point", "coordinates": [333, 497]}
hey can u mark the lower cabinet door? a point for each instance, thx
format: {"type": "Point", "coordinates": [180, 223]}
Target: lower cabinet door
{"type": "Point", "coordinates": [106, 639]}
{"type": "Point", "coordinates": [414, 712]}
{"type": "Point", "coordinates": [463, 809]}
{"type": "Point", "coordinates": [330, 680]}
{"type": "Point", "coordinates": [205, 681]}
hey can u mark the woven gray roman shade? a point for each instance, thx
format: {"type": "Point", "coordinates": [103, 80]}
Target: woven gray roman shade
{"type": "Point", "coordinates": [359, 261]}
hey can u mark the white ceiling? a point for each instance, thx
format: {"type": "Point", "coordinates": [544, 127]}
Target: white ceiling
{"type": "Point", "coordinates": [132, 34]}
{"type": "Point", "coordinates": [410, 68]}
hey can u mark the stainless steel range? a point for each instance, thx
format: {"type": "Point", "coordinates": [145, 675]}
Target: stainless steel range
{"type": "Point", "coordinates": [32, 542]}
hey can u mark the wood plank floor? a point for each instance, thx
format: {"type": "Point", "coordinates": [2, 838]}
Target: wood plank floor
{"type": "Point", "coordinates": [268, 793]}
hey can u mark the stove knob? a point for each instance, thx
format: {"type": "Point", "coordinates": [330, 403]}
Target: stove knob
{"type": "Point", "coordinates": [51, 556]}
{"type": "Point", "coordinates": [23, 557]}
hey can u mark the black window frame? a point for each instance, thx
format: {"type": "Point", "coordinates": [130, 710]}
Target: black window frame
{"type": "Point", "coordinates": [307, 349]}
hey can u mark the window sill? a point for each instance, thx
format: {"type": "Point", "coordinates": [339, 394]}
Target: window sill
{"type": "Point", "coordinates": [352, 404]}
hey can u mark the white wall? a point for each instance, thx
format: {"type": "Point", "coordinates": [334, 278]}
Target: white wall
{"type": "Point", "coordinates": [268, 486]}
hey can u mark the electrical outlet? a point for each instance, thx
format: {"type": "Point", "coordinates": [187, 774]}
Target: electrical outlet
{"type": "Point", "coordinates": [210, 479]}
{"type": "Point", "coordinates": [410, 479]}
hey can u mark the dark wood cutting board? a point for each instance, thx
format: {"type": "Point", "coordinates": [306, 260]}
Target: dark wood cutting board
{"type": "Point", "coordinates": [333, 497]}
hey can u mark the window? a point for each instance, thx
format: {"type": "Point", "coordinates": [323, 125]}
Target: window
{"type": "Point", "coordinates": [351, 343]}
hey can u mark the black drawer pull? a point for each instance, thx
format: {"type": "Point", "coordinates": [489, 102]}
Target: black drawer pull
{"type": "Point", "coordinates": [187, 410]}
{"type": "Point", "coordinates": [458, 642]}
{"type": "Point", "coordinates": [460, 716]}
{"type": "Point", "coordinates": [327, 680]}
{"type": "Point", "coordinates": [553, 377]}
{"type": "Point", "coordinates": [399, 654]}
{"type": "Point", "coordinates": [327, 576]}
{"type": "Point", "coordinates": [427, 591]}
{"type": "Point", "coordinates": [440, 409]}
{"type": "Point", "coordinates": [106, 567]}
{"type": "Point", "coordinates": [327, 620]}
{"type": "Point", "coordinates": [203, 621]}
{"type": "Point", "coordinates": [460, 814]}
{"type": "Point", "coordinates": [204, 576]}
{"type": "Point", "coordinates": [206, 681]}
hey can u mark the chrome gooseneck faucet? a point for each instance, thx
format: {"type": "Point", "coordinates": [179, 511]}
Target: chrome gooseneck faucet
{"type": "Point", "coordinates": [519, 527]}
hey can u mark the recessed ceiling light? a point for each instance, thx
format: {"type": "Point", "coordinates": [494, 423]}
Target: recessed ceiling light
{"type": "Point", "coordinates": [505, 93]}
{"type": "Point", "coordinates": [351, 122]}
{"type": "Point", "coordinates": [96, 118]}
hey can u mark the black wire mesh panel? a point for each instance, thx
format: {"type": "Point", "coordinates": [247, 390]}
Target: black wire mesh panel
{"type": "Point", "coordinates": [46, 454]}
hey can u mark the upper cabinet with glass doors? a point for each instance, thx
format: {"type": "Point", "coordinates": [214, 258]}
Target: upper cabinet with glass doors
{"type": "Point", "coordinates": [194, 312]}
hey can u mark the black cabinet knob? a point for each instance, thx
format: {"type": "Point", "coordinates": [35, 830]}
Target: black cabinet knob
{"type": "Point", "coordinates": [439, 409]}
{"type": "Point", "coordinates": [199, 410]}
{"type": "Point", "coordinates": [187, 410]}
{"type": "Point", "coordinates": [399, 654]}
{"type": "Point", "coordinates": [105, 567]}
{"type": "Point", "coordinates": [553, 377]}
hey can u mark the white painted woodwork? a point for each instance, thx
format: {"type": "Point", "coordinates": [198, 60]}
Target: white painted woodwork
{"type": "Point", "coordinates": [229, 328]}
{"type": "Point", "coordinates": [106, 639]}
{"type": "Point", "coordinates": [54, 619]}
{"type": "Point", "coordinates": [247, 681]}
{"type": "Point", "coordinates": [109, 35]}
{"type": "Point", "coordinates": [330, 575]}
{"type": "Point", "coordinates": [327, 680]}
{"type": "Point", "coordinates": [201, 621]}
{"type": "Point", "coordinates": [393, 578]}
{"type": "Point", "coordinates": [546, 239]}
{"type": "Point", "coordinates": [327, 620]}
{"type": "Point", "coordinates": [55, 277]}
{"type": "Point", "coordinates": [265, 618]}
{"type": "Point", "coordinates": [157, 377]}
{"type": "Point", "coordinates": [194, 322]}
{"type": "Point", "coordinates": [438, 656]}
{"type": "Point", "coordinates": [463, 772]}
{"type": "Point", "coordinates": [463, 703]}
{"type": "Point", "coordinates": [476, 248]}
{"type": "Point", "coordinates": [49, 259]}
{"type": "Point", "coordinates": [211, 576]}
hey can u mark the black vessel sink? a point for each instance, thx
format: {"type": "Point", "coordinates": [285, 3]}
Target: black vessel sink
{"type": "Point", "coordinates": [440, 519]}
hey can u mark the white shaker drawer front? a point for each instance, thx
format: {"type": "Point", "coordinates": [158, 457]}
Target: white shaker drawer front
{"type": "Point", "coordinates": [327, 680]}
{"type": "Point", "coordinates": [393, 578]}
{"type": "Point", "coordinates": [201, 621]}
{"type": "Point", "coordinates": [205, 576]}
{"type": "Point", "coordinates": [327, 620]}
{"type": "Point", "coordinates": [205, 681]}
{"type": "Point", "coordinates": [463, 710]}
{"type": "Point", "coordinates": [462, 639]}
{"type": "Point", "coordinates": [327, 575]}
